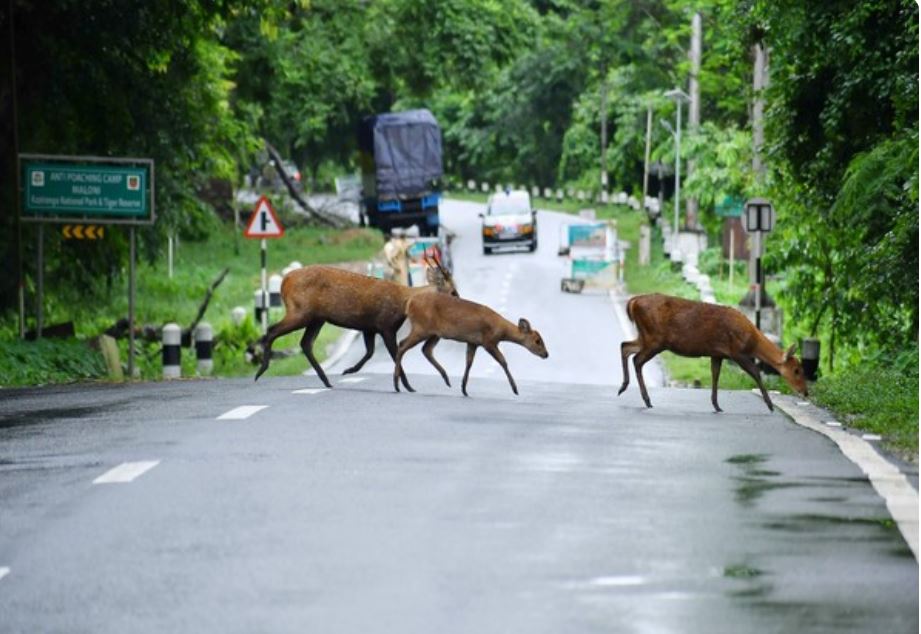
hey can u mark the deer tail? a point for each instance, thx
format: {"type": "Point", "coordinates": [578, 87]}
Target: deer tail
{"type": "Point", "coordinates": [630, 309]}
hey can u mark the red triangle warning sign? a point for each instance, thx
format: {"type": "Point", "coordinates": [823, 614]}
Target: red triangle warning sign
{"type": "Point", "coordinates": [264, 223]}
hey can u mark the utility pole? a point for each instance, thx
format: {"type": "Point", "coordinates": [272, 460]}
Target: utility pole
{"type": "Point", "coordinates": [646, 159]}
{"type": "Point", "coordinates": [21, 284]}
{"type": "Point", "coordinates": [603, 110]}
{"type": "Point", "coordinates": [758, 84]}
{"type": "Point", "coordinates": [756, 297]}
{"type": "Point", "coordinates": [691, 206]}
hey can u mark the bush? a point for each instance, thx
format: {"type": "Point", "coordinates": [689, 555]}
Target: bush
{"type": "Point", "coordinates": [877, 397]}
{"type": "Point", "coordinates": [49, 361]}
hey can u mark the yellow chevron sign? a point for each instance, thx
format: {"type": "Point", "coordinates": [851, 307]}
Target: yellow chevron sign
{"type": "Point", "coordinates": [83, 232]}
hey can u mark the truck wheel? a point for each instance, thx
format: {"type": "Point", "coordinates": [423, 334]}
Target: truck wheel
{"type": "Point", "coordinates": [487, 250]}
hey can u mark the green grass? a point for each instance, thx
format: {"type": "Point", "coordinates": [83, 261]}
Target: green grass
{"type": "Point", "coordinates": [160, 299]}
{"type": "Point", "coordinates": [48, 361]}
{"type": "Point", "coordinates": [878, 399]}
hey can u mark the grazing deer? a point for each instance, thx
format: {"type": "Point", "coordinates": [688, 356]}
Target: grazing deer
{"type": "Point", "coordinates": [436, 316]}
{"type": "Point", "coordinates": [314, 295]}
{"type": "Point", "coordinates": [696, 329]}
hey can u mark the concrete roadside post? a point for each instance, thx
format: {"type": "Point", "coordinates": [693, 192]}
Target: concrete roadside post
{"type": "Point", "coordinates": [810, 357]}
{"type": "Point", "coordinates": [204, 339]}
{"type": "Point", "coordinates": [259, 305]}
{"type": "Point", "coordinates": [275, 291]}
{"type": "Point", "coordinates": [237, 315]}
{"type": "Point", "coordinates": [172, 351]}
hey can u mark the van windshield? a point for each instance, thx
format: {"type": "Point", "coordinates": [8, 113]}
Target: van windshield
{"type": "Point", "coordinates": [505, 205]}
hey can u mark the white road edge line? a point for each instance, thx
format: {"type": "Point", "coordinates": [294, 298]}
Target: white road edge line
{"type": "Point", "coordinates": [621, 313]}
{"type": "Point", "coordinates": [126, 472]}
{"type": "Point", "coordinates": [352, 379]}
{"type": "Point", "coordinates": [242, 412]}
{"type": "Point", "coordinates": [891, 484]}
{"type": "Point", "coordinates": [311, 390]}
{"type": "Point", "coordinates": [4, 571]}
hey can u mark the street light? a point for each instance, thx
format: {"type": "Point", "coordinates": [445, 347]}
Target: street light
{"type": "Point", "coordinates": [678, 95]}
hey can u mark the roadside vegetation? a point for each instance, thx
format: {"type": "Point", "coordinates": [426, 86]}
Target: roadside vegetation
{"type": "Point", "coordinates": [197, 264]}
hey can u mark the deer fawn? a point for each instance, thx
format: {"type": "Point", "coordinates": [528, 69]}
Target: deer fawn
{"type": "Point", "coordinates": [436, 316]}
{"type": "Point", "coordinates": [696, 329]}
{"type": "Point", "coordinates": [317, 294]}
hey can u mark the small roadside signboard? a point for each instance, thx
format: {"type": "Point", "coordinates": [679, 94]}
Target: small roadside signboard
{"type": "Point", "coordinates": [731, 207]}
{"type": "Point", "coordinates": [759, 216]}
{"type": "Point", "coordinates": [82, 192]}
{"type": "Point", "coordinates": [97, 189]}
{"type": "Point", "coordinates": [83, 232]}
{"type": "Point", "coordinates": [264, 224]}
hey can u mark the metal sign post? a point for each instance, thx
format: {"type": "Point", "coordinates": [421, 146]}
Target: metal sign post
{"type": "Point", "coordinates": [731, 207]}
{"type": "Point", "coordinates": [76, 190]}
{"type": "Point", "coordinates": [264, 224]}
{"type": "Point", "coordinates": [759, 219]}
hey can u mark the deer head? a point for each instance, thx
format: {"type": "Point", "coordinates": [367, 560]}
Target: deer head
{"type": "Point", "coordinates": [531, 339]}
{"type": "Point", "coordinates": [438, 276]}
{"type": "Point", "coordinates": [792, 371]}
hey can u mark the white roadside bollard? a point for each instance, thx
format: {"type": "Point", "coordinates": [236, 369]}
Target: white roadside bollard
{"type": "Point", "coordinates": [295, 265]}
{"type": "Point", "coordinates": [258, 303]}
{"type": "Point", "coordinates": [275, 291]}
{"type": "Point", "coordinates": [484, 187]}
{"type": "Point", "coordinates": [204, 340]}
{"type": "Point", "coordinates": [172, 351]}
{"type": "Point", "coordinates": [237, 315]}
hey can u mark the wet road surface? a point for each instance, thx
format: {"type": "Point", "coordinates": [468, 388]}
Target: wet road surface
{"type": "Point", "coordinates": [565, 509]}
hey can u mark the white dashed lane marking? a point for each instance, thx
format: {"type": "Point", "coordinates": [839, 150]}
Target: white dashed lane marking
{"type": "Point", "coordinates": [353, 379]}
{"type": "Point", "coordinates": [126, 472]}
{"type": "Point", "coordinates": [311, 390]}
{"type": "Point", "coordinates": [239, 413]}
{"type": "Point", "coordinates": [4, 571]}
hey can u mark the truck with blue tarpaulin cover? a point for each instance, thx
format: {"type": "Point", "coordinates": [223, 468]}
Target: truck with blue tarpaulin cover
{"type": "Point", "coordinates": [401, 170]}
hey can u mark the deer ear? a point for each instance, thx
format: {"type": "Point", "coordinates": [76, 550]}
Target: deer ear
{"type": "Point", "coordinates": [789, 353]}
{"type": "Point", "coordinates": [524, 326]}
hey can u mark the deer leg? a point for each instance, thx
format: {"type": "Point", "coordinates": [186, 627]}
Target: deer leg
{"type": "Point", "coordinates": [626, 349]}
{"type": "Point", "coordinates": [275, 331]}
{"type": "Point", "coordinates": [715, 364]}
{"type": "Point", "coordinates": [638, 362]}
{"type": "Point", "coordinates": [412, 339]}
{"type": "Point", "coordinates": [471, 350]}
{"type": "Point", "coordinates": [498, 356]}
{"type": "Point", "coordinates": [427, 350]}
{"type": "Point", "coordinates": [310, 335]}
{"type": "Point", "coordinates": [390, 342]}
{"type": "Point", "coordinates": [749, 366]}
{"type": "Point", "coordinates": [369, 352]}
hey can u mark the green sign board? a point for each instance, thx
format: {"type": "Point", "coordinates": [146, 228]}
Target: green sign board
{"type": "Point", "coordinates": [731, 207]}
{"type": "Point", "coordinates": [101, 191]}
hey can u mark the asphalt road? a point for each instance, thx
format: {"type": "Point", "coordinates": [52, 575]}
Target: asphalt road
{"type": "Point", "coordinates": [581, 331]}
{"type": "Point", "coordinates": [167, 508]}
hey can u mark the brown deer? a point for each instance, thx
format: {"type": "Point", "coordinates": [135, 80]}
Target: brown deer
{"type": "Point", "coordinates": [697, 329]}
{"type": "Point", "coordinates": [315, 295]}
{"type": "Point", "coordinates": [436, 316]}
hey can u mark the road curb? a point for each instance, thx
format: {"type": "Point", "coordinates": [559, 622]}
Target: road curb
{"type": "Point", "coordinates": [891, 484]}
